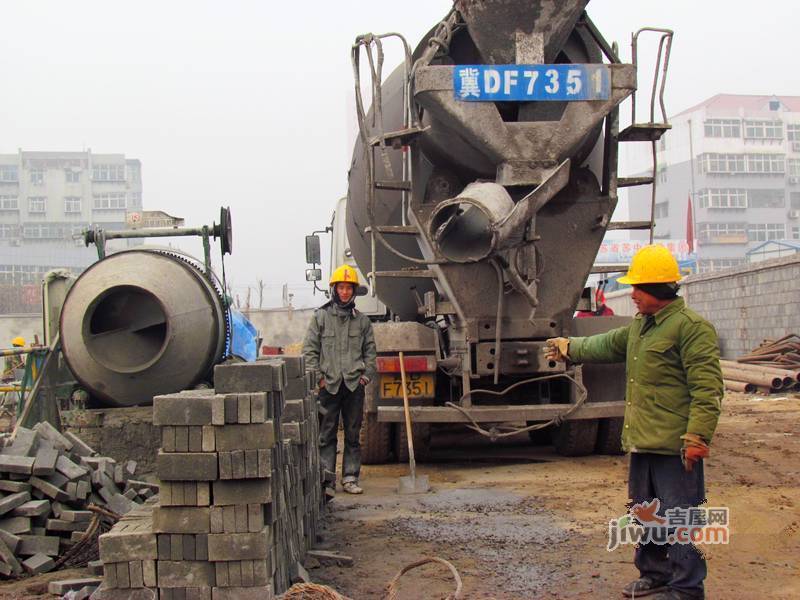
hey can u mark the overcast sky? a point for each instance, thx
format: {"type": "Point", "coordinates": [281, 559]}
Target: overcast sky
{"type": "Point", "coordinates": [249, 104]}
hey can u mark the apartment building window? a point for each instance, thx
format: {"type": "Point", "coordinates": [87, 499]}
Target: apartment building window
{"type": "Point", "coordinates": [72, 204]}
{"type": "Point", "coordinates": [794, 199]}
{"type": "Point", "coordinates": [72, 176]}
{"type": "Point", "coordinates": [766, 163]}
{"type": "Point", "coordinates": [795, 232]}
{"type": "Point", "coordinates": [108, 173]}
{"type": "Point", "coordinates": [793, 167]}
{"type": "Point", "coordinates": [661, 210]}
{"type": "Point", "coordinates": [723, 163]}
{"type": "Point", "coordinates": [37, 204]}
{"type": "Point", "coordinates": [37, 176]}
{"type": "Point", "coordinates": [766, 198]}
{"type": "Point", "coordinates": [9, 173]}
{"type": "Point", "coordinates": [9, 203]}
{"type": "Point", "coordinates": [45, 231]}
{"type": "Point", "coordinates": [763, 130]}
{"type": "Point", "coordinates": [722, 198]}
{"type": "Point", "coordinates": [110, 201]}
{"type": "Point", "coordinates": [8, 231]}
{"type": "Point", "coordinates": [723, 128]}
{"type": "Point", "coordinates": [135, 199]}
{"type": "Point", "coordinates": [762, 232]}
{"type": "Point", "coordinates": [709, 231]}
{"type": "Point", "coordinates": [717, 264]}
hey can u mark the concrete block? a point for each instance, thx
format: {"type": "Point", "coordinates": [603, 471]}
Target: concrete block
{"type": "Point", "coordinates": [62, 586]}
{"type": "Point", "coordinates": [245, 437]}
{"type": "Point", "coordinates": [45, 460]}
{"type": "Point", "coordinates": [168, 438]}
{"type": "Point", "coordinates": [149, 573]}
{"type": "Point", "coordinates": [218, 410]}
{"type": "Point", "coordinates": [243, 408]}
{"type": "Point", "coordinates": [26, 442]}
{"type": "Point", "coordinates": [177, 574]}
{"type": "Point", "coordinates": [123, 575]}
{"type": "Point", "coordinates": [248, 491]}
{"type": "Point", "coordinates": [247, 573]}
{"type": "Point", "coordinates": [104, 592]}
{"type": "Point", "coordinates": [251, 464]}
{"type": "Point", "coordinates": [208, 439]}
{"type": "Point", "coordinates": [258, 407]}
{"type": "Point", "coordinates": [190, 493]}
{"type": "Point", "coordinates": [255, 518]}
{"type": "Point", "coordinates": [264, 592]}
{"type": "Point", "coordinates": [38, 544]}
{"type": "Point", "coordinates": [216, 519]}
{"type": "Point", "coordinates": [58, 440]}
{"type": "Point", "coordinates": [238, 378]}
{"type": "Point", "coordinates": [163, 545]}
{"type": "Point", "coordinates": [69, 469]}
{"type": "Point", "coordinates": [79, 447]}
{"type": "Point", "coordinates": [14, 486]}
{"type": "Point", "coordinates": [49, 490]}
{"type": "Point", "coordinates": [176, 546]}
{"type": "Point", "coordinates": [76, 516]}
{"type": "Point", "coordinates": [264, 463]}
{"type": "Point", "coordinates": [225, 465]}
{"type": "Point", "coordinates": [121, 505]}
{"type": "Point", "coordinates": [203, 493]}
{"type": "Point", "coordinates": [196, 438]}
{"type": "Point", "coordinates": [31, 508]}
{"type": "Point", "coordinates": [295, 366]}
{"type": "Point", "coordinates": [135, 570]}
{"type": "Point", "coordinates": [234, 573]}
{"type": "Point", "coordinates": [231, 408]}
{"type": "Point", "coordinates": [16, 464]}
{"type": "Point", "coordinates": [294, 410]}
{"type": "Point", "coordinates": [229, 519]}
{"type": "Point", "coordinates": [120, 546]}
{"type": "Point", "coordinates": [12, 501]}
{"type": "Point", "coordinates": [262, 572]}
{"type": "Point", "coordinates": [10, 540]}
{"type": "Point", "coordinates": [182, 409]}
{"type": "Point", "coordinates": [7, 556]}
{"type": "Point", "coordinates": [295, 389]}
{"type": "Point", "coordinates": [181, 438]}
{"type": "Point", "coordinates": [240, 510]}
{"type": "Point", "coordinates": [16, 525]}
{"type": "Point", "coordinates": [176, 519]}
{"type": "Point", "coordinates": [201, 546]}
{"type": "Point", "coordinates": [38, 563]}
{"type": "Point", "coordinates": [221, 571]}
{"type": "Point", "coordinates": [237, 464]}
{"type": "Point", "coordinates": [188, 547]}
{"type": "Point", "coordinates": [180, 466]}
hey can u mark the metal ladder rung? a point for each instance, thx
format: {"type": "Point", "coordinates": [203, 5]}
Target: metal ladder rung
{"type": "Point", "coordinates": [630, 225]}
{"type": "Point", "coordinates": [610, 268]}
{"type": "Point", "coordinates": [632, 181]}
{"type": "Point", "coordinates": [644, 132]}
{"type": "Point", "coordinates": [418, 273]}
{"type": "Point", "coordinates": [404, 229]}
{"type": "Point", "coordinates": [400, 186]}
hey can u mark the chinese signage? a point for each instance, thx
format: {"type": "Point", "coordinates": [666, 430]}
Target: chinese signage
{"type": "Point", "coordinates": [529, 83]}
{"type": "Point", "coordinates": [622, 251]}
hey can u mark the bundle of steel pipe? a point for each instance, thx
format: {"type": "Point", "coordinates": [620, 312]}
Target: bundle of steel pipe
{"type": "Point", "coordinates": [774, 366]}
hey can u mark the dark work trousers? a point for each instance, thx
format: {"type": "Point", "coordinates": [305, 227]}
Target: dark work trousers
{"type": "Point", "coordinates": [681, 566]}
{"type": "Point", "coordinates": [351, 406]}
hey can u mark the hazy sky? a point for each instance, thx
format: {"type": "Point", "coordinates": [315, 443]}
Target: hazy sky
{"type": "Point", "coordinates": [249, 104]}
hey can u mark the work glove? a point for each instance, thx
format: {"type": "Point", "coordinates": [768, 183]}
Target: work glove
{"type": "Point", "coordinates": [322, 383]}
{"type": "Point", "coordinates": [694, 449]}
{"type": "Point", "coordinates": [557, 349]}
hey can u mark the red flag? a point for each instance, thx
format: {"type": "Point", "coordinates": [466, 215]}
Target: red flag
{"type": "Point", "coordinates": [690, 225]}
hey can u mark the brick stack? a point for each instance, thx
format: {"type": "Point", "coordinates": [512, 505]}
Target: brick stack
{"type": "Point", "coordinates": [231, 521]}
{"type": "Point", "coordinates": [47, 479]}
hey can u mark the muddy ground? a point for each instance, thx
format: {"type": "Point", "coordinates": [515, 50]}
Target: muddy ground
{"type": "Point", "coordinates": [521, 522]}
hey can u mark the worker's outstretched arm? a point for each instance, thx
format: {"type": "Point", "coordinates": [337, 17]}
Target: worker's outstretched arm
{"type": "Point", "coordinates": [609, 347]}
{"type": "Point", "coordinates": [699, 350]}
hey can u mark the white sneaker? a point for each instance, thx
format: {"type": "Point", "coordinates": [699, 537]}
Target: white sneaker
{"type": "Point", "coordinates": [351, 487]}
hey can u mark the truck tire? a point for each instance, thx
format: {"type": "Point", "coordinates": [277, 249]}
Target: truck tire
{"type": "Point", "coordinates": [576, 438]}
{"type": "Point", "coordinates": [540, 437]}
{"type": "Point", "coordinates": [422, 442]}
{"type": "Point", "coordinates": [609, 436]}
{"type": "Point", "coordinates": [375, 440]}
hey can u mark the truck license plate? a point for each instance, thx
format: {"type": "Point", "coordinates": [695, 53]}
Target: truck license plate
{"type": "Point", "coordinates": [418, 385]}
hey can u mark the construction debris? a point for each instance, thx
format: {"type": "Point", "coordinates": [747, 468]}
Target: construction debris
{"type": "Point", "coordinates": [241, 491]}
{"type": "Point", "coordinates": [774, 366]}
{"type": "Point", "coordinates": [51, 487]}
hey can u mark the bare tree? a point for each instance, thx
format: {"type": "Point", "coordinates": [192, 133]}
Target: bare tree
{"type": "Point", "coordinates": [260, 293]}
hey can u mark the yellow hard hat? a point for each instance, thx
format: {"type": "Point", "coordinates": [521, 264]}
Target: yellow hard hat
{"type": "Point", "coordinates": [18, 341]}
{"type": "Point", "coordinates": [344, 274]}
{"type": "Point", "coordinates": [652, 264]}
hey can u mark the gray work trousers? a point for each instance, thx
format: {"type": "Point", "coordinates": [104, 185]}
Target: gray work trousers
{"type": "Point", "coordinates": [351, 406]}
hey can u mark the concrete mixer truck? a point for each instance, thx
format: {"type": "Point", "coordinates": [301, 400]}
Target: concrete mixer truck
{"type": "Point", "coordinates": [482, 183]}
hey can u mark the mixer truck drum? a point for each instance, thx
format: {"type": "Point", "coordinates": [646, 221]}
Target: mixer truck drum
{"type": "Point", "coordinates": [140, 323]}
{"type": "Point", "coordinates": [464, 229]}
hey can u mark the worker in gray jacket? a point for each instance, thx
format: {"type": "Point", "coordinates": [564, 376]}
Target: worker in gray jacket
{"type": "Point", "coordinates": [340, 345]}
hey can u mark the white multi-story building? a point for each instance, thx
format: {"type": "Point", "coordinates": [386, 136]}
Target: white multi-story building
{"type": "Point", "coordinates": [738, 158]}
{"type": "Point", "coordinates": [47, 198]}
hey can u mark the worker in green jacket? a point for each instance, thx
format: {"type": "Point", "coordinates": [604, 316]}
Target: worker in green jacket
{"type": "Point", "coordinates": [340, 345]}
{"type": "Point", "coordinates": [674, 391]}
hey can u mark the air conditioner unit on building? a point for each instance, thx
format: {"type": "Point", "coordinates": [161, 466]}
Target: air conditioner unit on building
{"type": "Point", "coordinates": [794, 180]}
{"type": "Point", "coordinates": [794, 214]}
{"type": "Point", "coordinates": [16, 242]}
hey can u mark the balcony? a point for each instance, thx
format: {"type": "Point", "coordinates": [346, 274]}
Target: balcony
{"type": "Point", "coordinates": [725, 238]}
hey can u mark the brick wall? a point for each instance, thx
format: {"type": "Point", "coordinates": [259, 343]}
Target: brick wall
{"type": "Point", "coordinates": [748, 304]}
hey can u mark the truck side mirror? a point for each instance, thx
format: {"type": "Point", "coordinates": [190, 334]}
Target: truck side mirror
{"type": "Point", "coordinates": [313, 254]}
{"type": "Point", "coordinates": [313, 274]}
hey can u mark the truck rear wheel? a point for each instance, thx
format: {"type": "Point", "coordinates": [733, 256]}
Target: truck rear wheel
{"type": "Point", "coordinates": [609, 436]}
{"type": "Point", "coordinates": [422, 441]}
{"type": "Point", "coordinates": [540, 437]}
{"type": "Point", "coordinates": [375, 440]}
{"type": "Point", "coordinates": [576, 438]}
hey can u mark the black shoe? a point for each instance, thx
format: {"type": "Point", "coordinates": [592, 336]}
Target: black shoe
{"type": "Point", "coordinates": [644, 586]}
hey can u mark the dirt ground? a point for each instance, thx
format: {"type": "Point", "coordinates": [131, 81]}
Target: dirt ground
{"type": "Point", "coordinates": [522, 522]}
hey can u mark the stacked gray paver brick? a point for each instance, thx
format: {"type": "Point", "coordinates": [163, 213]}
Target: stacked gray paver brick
{"type": "Point", "coordinates": [47, 480]}
{"type": "Point", "coordinates": [238, 505]}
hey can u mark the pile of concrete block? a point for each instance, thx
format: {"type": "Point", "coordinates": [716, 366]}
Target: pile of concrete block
{"type": "Point", "coordinates": [236, 510]}
{"type": "Point", "coordinates": [47, 481]}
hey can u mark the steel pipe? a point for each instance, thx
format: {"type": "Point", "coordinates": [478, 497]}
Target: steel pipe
{"type": "Point", "coordinates": [762, 379]}
{"type": "Point", "coordinates": [739, 386]}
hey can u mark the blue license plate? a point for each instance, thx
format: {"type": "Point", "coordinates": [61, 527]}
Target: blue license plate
{"type": "Point", "coordinates": [531, 83]}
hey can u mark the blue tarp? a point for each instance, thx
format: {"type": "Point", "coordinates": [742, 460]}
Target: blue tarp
{"type": "Point", "coordinates": [244, 337]}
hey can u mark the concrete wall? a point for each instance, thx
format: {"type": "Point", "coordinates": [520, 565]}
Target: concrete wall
{"type": "Point", "coordinates": [748, 304]}
{"type": "Point", "coordinates": [620, 302]}
{"type": "Point", "coordinates": [281, 326]}
{"type": "Point", "coordinates": [25, 325]}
